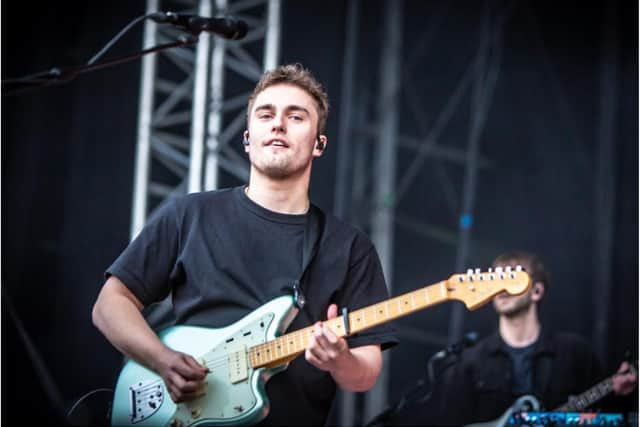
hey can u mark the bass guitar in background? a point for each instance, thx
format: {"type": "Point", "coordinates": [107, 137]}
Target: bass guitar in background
{"type": "Point", "coordinates": [525, 410]}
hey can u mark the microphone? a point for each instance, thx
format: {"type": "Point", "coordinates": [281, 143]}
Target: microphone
{"type": "Point", "coordinates": [469, 339]}
{"type": "Point", "coordinates": [229, 28]}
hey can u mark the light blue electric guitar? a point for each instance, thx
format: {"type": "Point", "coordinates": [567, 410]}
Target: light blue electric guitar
{"type": "Point", "coordinates": [244, 355]}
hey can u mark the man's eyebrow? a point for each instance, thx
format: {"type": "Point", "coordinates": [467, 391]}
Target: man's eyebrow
{"type": "Point", "coordinates": [296, 108]}
{"type": "Point", "coordinates": [265, 107]}
{"type": "Point", "coordinates": [292, 107]}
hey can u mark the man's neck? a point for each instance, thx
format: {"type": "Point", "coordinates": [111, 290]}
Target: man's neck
{"type": "Point", "coordinates": [286, 196]}
{"type": "Point", "coordinates": [521, 330]}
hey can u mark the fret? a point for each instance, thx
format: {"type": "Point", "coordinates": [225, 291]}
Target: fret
{"type": "Point", "coordinates": [589, 397]}
{"type": "Point", "coordinates": [382, 311]}
{"type": "Point", "coordinates": [358, 321]}
{"type": "Point", "coordinates": [269, 351]}
{"type": "Point", "coordinates": [259, 353]}
{"type": "Point", "coordinates": [406, 305]}
{"type": "Point", "coordinates": [443, 291]}
{"type": "Point", "coordinates": [413, 301]}
{"type": "Point", "coordinates": [427, 299]}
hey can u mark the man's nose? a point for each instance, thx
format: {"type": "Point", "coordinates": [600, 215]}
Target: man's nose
{"type": "Point", "coordinates": [278, 123]}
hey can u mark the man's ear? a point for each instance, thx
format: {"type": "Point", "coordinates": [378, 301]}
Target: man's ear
{"type": "Point", "coordinates": [245, 141]}
{"type": "Point", "coordinates": [320, 146]}
{"type": "Point", "coordinates": [537, 291]}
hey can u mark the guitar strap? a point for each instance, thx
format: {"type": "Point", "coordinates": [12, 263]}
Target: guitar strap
{"type": "Point", "coordinates": [314, 226]}
{"type": "Point", "coordinates": [312, 233]}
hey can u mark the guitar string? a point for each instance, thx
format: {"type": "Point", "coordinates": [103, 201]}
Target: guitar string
{"type": "Point", "coordinates": [221, 360]}
{"type": "Point", "coordinates": [257, 349]}
{"type": "Point", "coordinates": [212, 363]}
{"type": "Point", "coordinates": [300, 334]}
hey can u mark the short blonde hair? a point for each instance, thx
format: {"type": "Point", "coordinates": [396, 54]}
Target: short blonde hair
{"type": "Point", "coordinates": [297, 75]}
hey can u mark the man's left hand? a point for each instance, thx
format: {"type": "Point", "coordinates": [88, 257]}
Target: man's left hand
{"type": "Point", "coordinates": [625, 380]}
{"type": "Point", "coordinates": [326, 351]}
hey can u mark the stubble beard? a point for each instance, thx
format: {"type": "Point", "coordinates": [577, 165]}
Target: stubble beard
{"type": "Point", "coordinates": [278, 167]}
{"type": "Point", "coordinates": [519, 307]}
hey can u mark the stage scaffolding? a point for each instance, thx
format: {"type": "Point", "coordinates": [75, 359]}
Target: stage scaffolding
{"type": "Point", "coordinates": [187, 116]}
{"type": "Point", "coordinates": [187, 121]}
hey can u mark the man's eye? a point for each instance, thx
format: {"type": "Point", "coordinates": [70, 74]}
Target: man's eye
{"type": "Point", "coordinates": [296, 118]}
{"type": "Point", "coordinates": [264, 116]}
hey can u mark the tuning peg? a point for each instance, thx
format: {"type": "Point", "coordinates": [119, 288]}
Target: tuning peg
{"type": "Point", "coordinates": [490, 269]}
{"type": "Point", "coordinates": [519, 268]}
{"type": "Point", "coordinates": [508, 268]}
{"type": "Point", "coordinates": [478, 271]}
{"type": "Point", "coordinates": [460, 278]}
{"type": "Point", "coordinates": [469, 272]}
{"type": "Point", "coordinates": [498, 269]}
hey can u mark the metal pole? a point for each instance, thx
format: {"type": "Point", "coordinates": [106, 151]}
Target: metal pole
{"type": "Point", "coordinates": [385, 172]}
{"type": "Point", "coordinates": [344, 143]}
{"type": "Point", "coordinates": [343, 192]}
{"type": "Point", "coordinates": [605, 195]}
{"type": "Point", "coordinates": [198, 124]}
{"type": "Point", "coordinates": [216, 102]}
{"type": "Point", "coordinates": [272, 38]}
{"type": "Point", "coordinates": [145, 109]}
{"type": "Point", "coordinates": [485, 80]}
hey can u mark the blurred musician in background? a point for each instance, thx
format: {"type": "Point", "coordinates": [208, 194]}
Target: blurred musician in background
{"type": "Point", "coordinates": [523, 357]}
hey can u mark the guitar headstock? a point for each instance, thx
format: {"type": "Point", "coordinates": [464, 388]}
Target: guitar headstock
{"type": "Point", "coordinates": [476, 288]}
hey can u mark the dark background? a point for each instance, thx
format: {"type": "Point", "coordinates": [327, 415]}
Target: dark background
{"type": "Point", "coordinates": [68, 156]}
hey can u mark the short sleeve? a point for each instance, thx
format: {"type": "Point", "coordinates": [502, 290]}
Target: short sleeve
{"type": "Point", "coordinates": [148, 264]}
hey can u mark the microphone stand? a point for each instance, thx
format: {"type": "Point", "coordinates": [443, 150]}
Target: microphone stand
{"type": "Point", "coordinates": [414, 395]}
{"type": "Point", "coordinates": [58, 76]}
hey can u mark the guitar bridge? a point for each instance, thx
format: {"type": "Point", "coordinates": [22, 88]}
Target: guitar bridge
{"type": "Point", "coordinates": [145, 399]}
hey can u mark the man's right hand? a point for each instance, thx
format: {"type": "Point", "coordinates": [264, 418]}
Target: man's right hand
{"type": "Point", "coordinates": [183, 376]}
{"type": "Point", "coordinates": [117, 314]}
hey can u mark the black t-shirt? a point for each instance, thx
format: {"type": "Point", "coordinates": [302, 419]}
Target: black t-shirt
{"type": "Point", "coordinates": [220, 256]}
{"type": "Point", "coordinates": [522, 363]}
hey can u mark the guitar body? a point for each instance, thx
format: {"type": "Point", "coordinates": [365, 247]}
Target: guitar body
{"type": "Point", "coordinates": [235, 392]}
{"type": "Point", "coordinates": [528, 402]}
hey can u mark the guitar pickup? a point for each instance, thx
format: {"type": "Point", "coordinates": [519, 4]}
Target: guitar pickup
{"type": "Point", "coordinates": [238, 371]}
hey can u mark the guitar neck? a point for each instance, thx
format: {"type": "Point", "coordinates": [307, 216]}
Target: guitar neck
{"type": "Point", "coordinates": [589, 397]}
{"type": "Point", "coordinates": [595, 393]}
{"type": "Point", "coordinates": [289, 346]}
